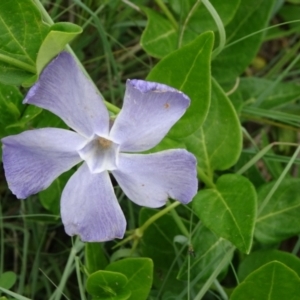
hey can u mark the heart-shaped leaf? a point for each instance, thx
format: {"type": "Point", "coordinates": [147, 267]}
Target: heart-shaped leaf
{"type": "Point", "coordinates": [273, 281]}
{"type": "Point", "coordinates": [139, 272]}
{"type": "Point", "coordinates": [229, 210]}
{"type": "Point", "coordinates": [106, 285]}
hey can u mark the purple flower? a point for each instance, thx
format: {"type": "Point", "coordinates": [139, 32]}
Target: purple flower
{"type": "Point", "coordinates": [89, 208]}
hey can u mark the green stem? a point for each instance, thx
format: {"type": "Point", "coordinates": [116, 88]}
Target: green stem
{"type": "Point", "coordinates": [157, 216]}
{"type": "Point", "coordinates": [179, 222]}
{"type": "Point", "coordinates": [77, 247]}
{"type": "Point", "coordinates": [114, 109]}
{"type": "Point", "coordinates": [220, 26]}
{"type": "Point", "coordinates": [204, 178]}
{"type": "Point", "coordinates": [187, 20]}
{"type": "Point", "coordinates": [279, 180]}
{"type": "Point", "coordinates": [168, 14]}
{"type": "Point", "coordinates": [214, 275]}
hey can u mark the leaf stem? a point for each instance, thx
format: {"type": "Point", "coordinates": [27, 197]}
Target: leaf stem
{"type": "Point", "coordinates": [167, 12]}
{"type": "Point", "coordinates": [179, 222]}
{"type": "Point", "coordinates": [17, 63]}
{"type": "Point", "coordinates": [203, 177]}
{"type": "Point", "coordinates": [157, 216]}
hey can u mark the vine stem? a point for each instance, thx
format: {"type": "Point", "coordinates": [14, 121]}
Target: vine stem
{"type": "Point", "coordinates": [220, 26]}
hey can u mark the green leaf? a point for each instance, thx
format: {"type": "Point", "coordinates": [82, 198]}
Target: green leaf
{"type": "Point", "coordinates": [106, 285]}
{"type": "Point", "coordinates": [279, 219]}
{"type": "Point", "coordinates": [229, 210]}
{"type": "Point", "coordinates": [21, 34]}
{"type": "Point", "coordinates": [159, 37]}
{"type": "Point", "coordinates": [139, 272]}
{"type": "Point", "coordinates": [281, 94]}
{"type": "Point", "coordinates": [208, 251]}
{"type": "Point", "coordinates": [95, 258]}
{"type": "Point", "coordinates": [7, 280]}
{"type": "Point", "coordinates": [256, 259]}
{"type": "Point", "coordinates": [250, 17]}
{"type": "Point", "coordinates": [59, 35]}
{"type": "Point", "coordinates": [218, 143]}
{"type": "Point", "coordinates": [157, 243]}
{"type": "Point", "coordinates": [273, 281]}
{"type": "Point", "coordinates": [188, 69]}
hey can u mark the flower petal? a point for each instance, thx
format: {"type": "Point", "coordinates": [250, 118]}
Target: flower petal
{"type": "Point", "coordinates": [150, 179]}
{"type": "Point", "coordinates": [90, 209]}
{"type": "Point", "coordinates": [64, 90]}
{"type": "Point", "coordinates": [149, 111]}
{"type": "Point", "coordinates": [34, 158]}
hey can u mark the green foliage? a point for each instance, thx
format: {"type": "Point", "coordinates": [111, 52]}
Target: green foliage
{"type": "Point", "coordinates": [27, 43]}
{"type": "Point", "coordinates": [208, 251]}
{"type": "Point", "coordinates": [108, 285]}
{"type": "Point", "coordinates": [250, 17]}
{"type": "Point", "coordinates": [217, 144]}
{"type": "Point", "coordinates": [95, 258]}
{"type": "Point", "coordinates": [279, 217]}
{"type": "Point", "coordinates": [259, 258]}
{"type": "Point", "coordinates": [139, 272]}
{"type": "Point", "coordinates": [273, 281]}
{"type": "Point", "coordinates": [229, 210]}
{"type": "Point", "coordinates": [8, 279]}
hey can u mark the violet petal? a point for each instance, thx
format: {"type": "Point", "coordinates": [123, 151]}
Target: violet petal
{"type": "Point", "coordinates": [150, 179]}
{"type": "Point", "coordinates": [34, 158]}
{"type": "Point", "coordinates": [149, 111]}
{"type": "Point", "coordinates": [64, 90]}
{"type": "Point", "coordinates": [90, 209]}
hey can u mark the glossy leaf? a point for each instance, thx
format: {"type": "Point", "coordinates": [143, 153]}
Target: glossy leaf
{"type": "Point", "coordinates": [21, 34]}
{"type": "Point", "coordinates": [139, 272]}
{"type": "Point", "coordinates": [8, 279]}
{"type": "Point", "coordinates": [229, 210]}
{"type": "Point", "coordinates": [256, 259]}
{"type": "Point", "coordinates": [159, 37]}
{"type": "Point", "coordinates": [208, 251]}
{"type": "Point", "coordinates": [273, 281]}
{"type": "Point", "coordinates": [250, 17]}
{"type": "Point", "coordinates": [279, 219]}
{"type": "Point", "coordinates": [188, 69]}
{"type": "Point", "coordinates": [218, 143]}
{"type": "Point", "coordinates": [59, 35]}
{"type": "Point", "coordinates": [106, 285]}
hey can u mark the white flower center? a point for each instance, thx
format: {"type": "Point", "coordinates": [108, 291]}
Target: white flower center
{"type": "Point", "coordinates": [100, 154]}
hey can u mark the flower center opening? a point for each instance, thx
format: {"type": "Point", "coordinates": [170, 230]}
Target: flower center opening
{"type": "Point", "coordinates": [104, 143]}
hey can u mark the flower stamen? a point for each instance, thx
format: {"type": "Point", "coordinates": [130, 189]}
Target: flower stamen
{"type": "Point", "coordinates": [104, 143]}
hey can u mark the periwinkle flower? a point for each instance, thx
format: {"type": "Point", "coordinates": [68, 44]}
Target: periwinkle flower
{"type": "Point", "coordinates": [89, 207]}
